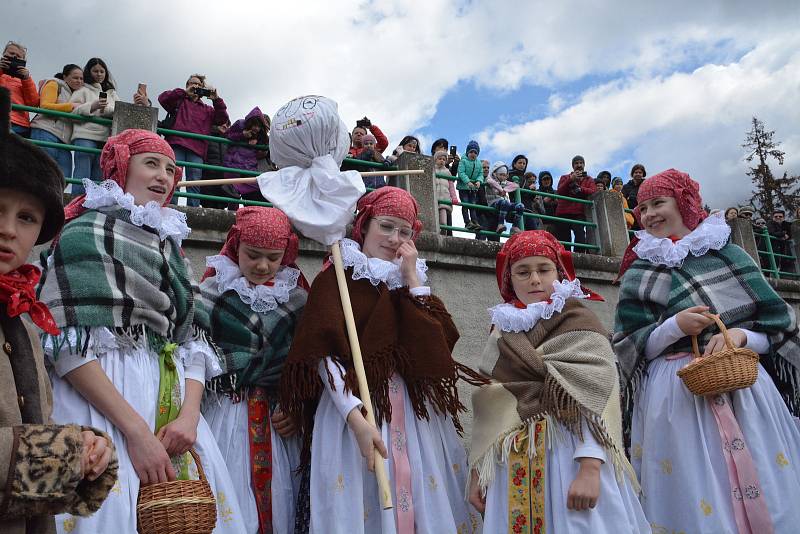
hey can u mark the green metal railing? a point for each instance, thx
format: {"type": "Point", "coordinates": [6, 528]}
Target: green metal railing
{"type": "Point", "coordinates": [775, 264]}
{"type": "Point", "coordinates": [244, 172]}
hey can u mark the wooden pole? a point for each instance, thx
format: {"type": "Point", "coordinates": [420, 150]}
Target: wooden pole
{"type": "Point", "coordinates": [252, 179]}
{"type": "Point", "coordinates": [361, 375]}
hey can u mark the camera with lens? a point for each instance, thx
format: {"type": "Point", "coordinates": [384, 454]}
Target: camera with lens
{"type": "Point", "coordinates": [14, 66]}
{"type": "Point", "coordinates": [201, 92]}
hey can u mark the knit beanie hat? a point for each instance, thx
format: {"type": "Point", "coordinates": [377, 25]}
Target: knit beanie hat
{"type": "Point", "coordinates": [368, 137]}
{"type": "Point", "coordinates": [473, 145]}
{"type": "Point", "coordinates": [617, 180]}
{"type": "Point", "coordinates": [26, 167]}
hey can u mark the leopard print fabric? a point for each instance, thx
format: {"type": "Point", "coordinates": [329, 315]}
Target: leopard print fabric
{"type": "Point", "coordinates": [48, 478]}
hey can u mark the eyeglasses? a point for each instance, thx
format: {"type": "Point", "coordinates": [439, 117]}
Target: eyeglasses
{"type": "Point", "coordinates": [746, 214]}
{"type": "Point", "coordinates": [524, 276]}
{"type": "Point", "coordinates": [387, 228]}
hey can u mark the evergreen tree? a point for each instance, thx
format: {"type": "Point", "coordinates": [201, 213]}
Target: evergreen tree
{"type": "Point", "coordinates": [770, 193]}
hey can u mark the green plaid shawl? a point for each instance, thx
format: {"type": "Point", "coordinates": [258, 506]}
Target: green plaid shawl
{"type": "Point", "coordinates": [105, 271]}
{"type": "Point", "coordinates": [727, 281]}
{"type": "Point", "coordinates": [254, 345]}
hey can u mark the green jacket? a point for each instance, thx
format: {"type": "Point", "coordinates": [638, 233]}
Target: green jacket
{"type": "Point", "coordinates": [469, 171]}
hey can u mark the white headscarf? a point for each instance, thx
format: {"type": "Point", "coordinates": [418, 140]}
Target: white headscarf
{"type": "Point", "coordinates": [308, 142]}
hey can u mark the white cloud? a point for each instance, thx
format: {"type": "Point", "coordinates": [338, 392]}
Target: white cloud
{"type": "Point", "coordinates": [694, 121]}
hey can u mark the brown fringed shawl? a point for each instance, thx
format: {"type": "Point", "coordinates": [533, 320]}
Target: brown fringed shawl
{"type": "Point", "coordinates": [564, 370]}
{"type": "Point", "coordinates": [398, 332]}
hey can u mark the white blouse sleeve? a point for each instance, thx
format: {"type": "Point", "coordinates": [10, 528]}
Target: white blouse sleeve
{"type": "Point", "coordinates": [200, 361]}
{"type": "Point", "coordinates": [589, 448]}
{"type": "Point", "coordinates": [669, 332]}
{"type": "Point", "coordinates": [420, 291]}
{"type": "Point", "coordinates": [345, 401]}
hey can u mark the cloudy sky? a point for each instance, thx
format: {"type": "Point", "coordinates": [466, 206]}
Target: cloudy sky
{"type": "Point", "coordinates": [672, 84]}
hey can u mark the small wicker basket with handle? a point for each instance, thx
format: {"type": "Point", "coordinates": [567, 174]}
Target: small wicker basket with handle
{"type": "Point", "coordinates": [726, 370]}
{"type": "Point", "coordinates": [179, 506]}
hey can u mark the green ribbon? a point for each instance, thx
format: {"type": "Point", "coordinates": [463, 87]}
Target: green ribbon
{"type": "Point", "coordinates": [169, 402]}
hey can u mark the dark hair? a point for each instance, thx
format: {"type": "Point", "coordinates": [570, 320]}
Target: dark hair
{"type": "Point", "coordinates": [408, 139]}
{"type": "Point", "coordinates": [438, 142]}
{"type": "Point", "coordinates": [517, 158]}
{"type": "Point", "coordinates": [106, 84]}
{"type": "Point", "coordinates": [66, 71]}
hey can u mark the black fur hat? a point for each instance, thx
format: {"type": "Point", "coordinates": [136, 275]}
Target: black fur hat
{"type": "Point", "coordinates": [26, 167]}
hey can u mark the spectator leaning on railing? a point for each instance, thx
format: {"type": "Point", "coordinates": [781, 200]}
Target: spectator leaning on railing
{"type": "Point", "coordinates": [487, 219]}
{"type": "Point", "coordinates": [96, 99]}
{"type": "Point", "coordinates": [445, 190]}
{"type": "Point", "coordinates": [189, 114]}
{"type": "Point", "coordinates": [498, 190]}
{"type": "Point", "coordinates": [15, 77]}
{"type": "Point", "coordinates": [470, 178]}
{"type": "Point", "coordinates": [532, 203]}
{"type": "Point", "coordinates": [370, 153]}
{"type": "Point", "coordinates": [780, 229]}
{"type": "Point", "coordinates": [253, 129]}
{"type": "Point", "coordinates": [364, 126]}
{"type": "Point", "coordinates": [577, 184]}
{"type": "Point", "coordinates": [56, 94]}
{"type": "Point", "coordinates": [452, 157]}
{"type": "Point", "coordinates": [215, 154]}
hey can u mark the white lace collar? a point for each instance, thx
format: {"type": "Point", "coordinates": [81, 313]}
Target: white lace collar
{"type": "Point", "coordinates": [261, 298]}
{"type": "Point", "coordinates": [167, 222]}
{"type": "Point", "coordinates": [509, 318]}
{"type": "Point", "coordinates": [377, 270]}
{"type": "Point", "coordinates": [712, 233]}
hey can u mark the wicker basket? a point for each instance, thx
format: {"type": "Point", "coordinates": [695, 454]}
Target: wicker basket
{"type": "Point", "coordinates": [180, 506]}
{"type": "Point", "coordinates": [726, 370]}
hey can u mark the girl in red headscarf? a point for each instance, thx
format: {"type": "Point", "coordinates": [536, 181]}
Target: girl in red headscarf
{"type": "Point", "coordinates": [131, 358]}
{"type": "Point", "coordinates": [252, 297]}
{"type": "Point", "coordinates": [546, 449]}
{"type": "Point", "coordinates": [406, 337]}
{"type": "Point", "coordinates": [724, 463]}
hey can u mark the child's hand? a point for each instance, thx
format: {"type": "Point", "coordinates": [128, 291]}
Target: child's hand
{"type": "Point", "coordinates": [408, 268]}
{"type": "Point", "coordinates": [283, 424]}
{"type": "Point", "coordinates": [585, 489]}
{"type": "Point", "coordinates": [717, 342]}
{"type": "Point", "coordinates": [96, 455]}
{"type": "Point", "coordinates": [475, 496]}
{"type": "Point", "coordinates": [367, 436]}
{"type": "Point", "coordinates": [691, 321]}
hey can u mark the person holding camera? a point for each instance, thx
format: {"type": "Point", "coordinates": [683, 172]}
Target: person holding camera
{"type": "Point", "coordinates": [95, 99]}
{"type": "Point", "coordinates": [56, 94]}
{"type": "Point", "coordinates": [15, 77]}
{"type": "Point", "coordinates": [187, 112]}
{"type": "Point", "coordinates": [363, 127]}
{"type": "Point", "coordinates": [577, 184]}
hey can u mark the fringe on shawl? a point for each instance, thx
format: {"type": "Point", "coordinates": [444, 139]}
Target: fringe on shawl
{"type": "Point", "coordinates": [630, 389]}
{"type": "Point", "coordinates": [559, 409]}
{"type": "Point", "coordinates": [301, 388]}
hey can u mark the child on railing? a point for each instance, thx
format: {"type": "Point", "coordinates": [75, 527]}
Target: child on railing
{"type": "Point", "coordinates": [445, 189]}
{"type": "Point", "coordinates": [254, 130]}
{"type": "Point", "coordinates": [470, 179]}
{"type": "Point", "coordinates": [717, 463]}
{"type": "Point", "coordinates": [498, 188]}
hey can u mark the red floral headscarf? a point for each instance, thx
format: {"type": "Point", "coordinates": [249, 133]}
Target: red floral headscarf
{"type": "Point", "coordinates": [117, 154]}
{"type": "Point", "coordinates": [670, 183]}
{"type": "Point", "coordinates": [263, 228]}
{"type": "Point", "coordinates": [390, 202]}
{"type": "Point", "coordinates": [533, 243]}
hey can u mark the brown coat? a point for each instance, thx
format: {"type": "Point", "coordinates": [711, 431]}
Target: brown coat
{"type": "Point", "coordinates": [40, 463]}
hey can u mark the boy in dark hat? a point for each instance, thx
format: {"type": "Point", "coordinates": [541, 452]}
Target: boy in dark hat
{"type": "Point", "coordinates": [45, 468]}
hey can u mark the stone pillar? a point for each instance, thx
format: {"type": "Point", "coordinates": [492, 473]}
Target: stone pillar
{"type": "Point", "coordinates": [421, 187]}
{"type": "Point", "coordinates": [742, 235]}
{"type": "Point", "coordinates": [128, 116]}
{"type": "Point", "coordinates": [611, 234]}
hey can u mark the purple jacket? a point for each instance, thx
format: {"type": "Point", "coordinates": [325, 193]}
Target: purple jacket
{"type": "Point", "coordinates": [194, 117]}
{"type": "Point", "coordinates": [240, 157]}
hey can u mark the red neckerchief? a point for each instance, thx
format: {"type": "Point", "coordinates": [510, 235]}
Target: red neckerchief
{"type": "Point", "coordinates": [18, 293]}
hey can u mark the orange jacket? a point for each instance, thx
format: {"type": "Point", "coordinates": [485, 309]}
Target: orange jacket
{"type": "Point", "coordinates": [22, 92]}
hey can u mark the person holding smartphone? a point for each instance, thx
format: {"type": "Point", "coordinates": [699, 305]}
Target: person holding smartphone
{"type": "Point", "coordinates": [577, 184]}
{"type": "Point", "coordinates": [188, 113]}
{"type": "Point", "coordinates": [15, 77]}
{"type": "Point", "coordinates": [95, 99]}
